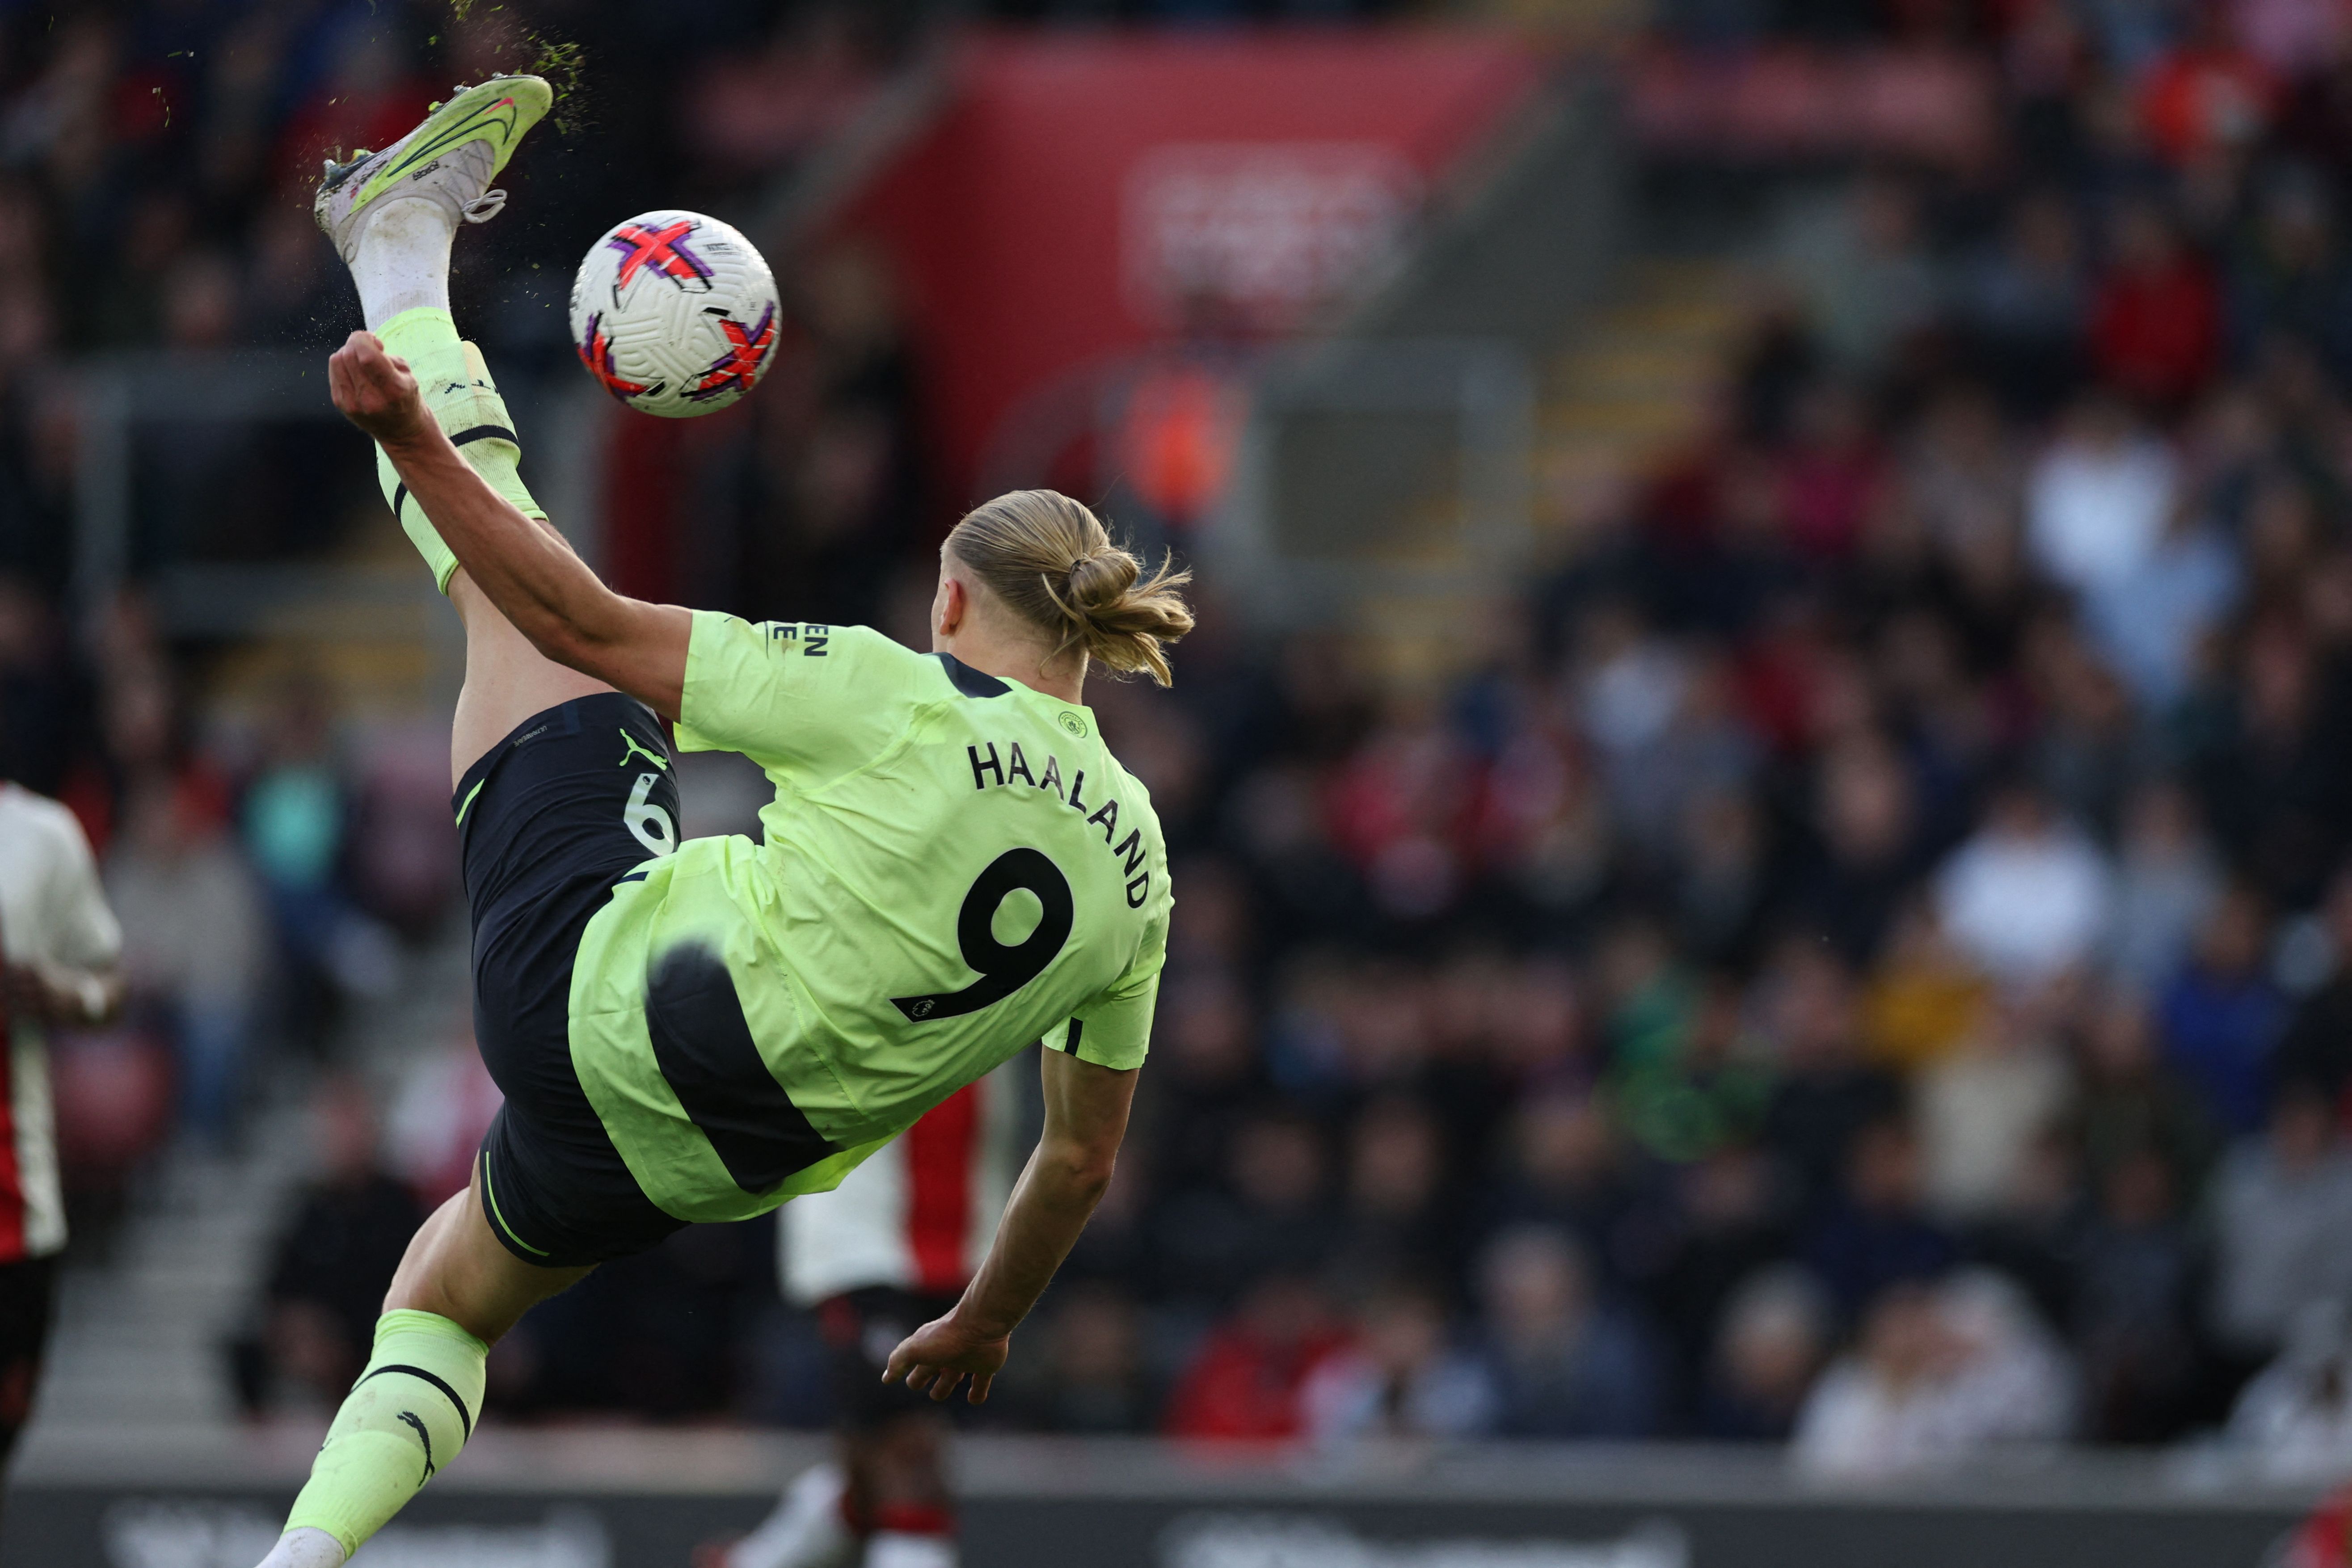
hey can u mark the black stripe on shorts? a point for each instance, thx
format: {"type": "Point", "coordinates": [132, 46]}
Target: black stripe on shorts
{"type": "Point", "coordinates": [704, 1048]}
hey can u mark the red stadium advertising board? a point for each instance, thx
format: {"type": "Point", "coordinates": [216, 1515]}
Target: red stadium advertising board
{"type": "Point", "coordinates": [1082, 195]}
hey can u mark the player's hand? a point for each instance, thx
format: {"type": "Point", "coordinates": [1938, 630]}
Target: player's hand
{"type": "Point", "coordinates": [30, 994]}
{"type": "Point", "coordinates": [374, 390]}
{"type": "Point", "coordinates": [48, 996]}
{"type": "Point", "coordinates": [943, 1354]}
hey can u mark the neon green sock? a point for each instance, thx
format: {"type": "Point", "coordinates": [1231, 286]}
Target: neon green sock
{"type": "Point", "coordinates": [458, 390]}
{"type": "Point", "coordinates": [406, 1419]}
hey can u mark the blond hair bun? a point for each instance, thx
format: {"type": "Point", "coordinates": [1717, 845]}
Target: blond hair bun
{"type": "Point", "coordinates": [1050, 560]}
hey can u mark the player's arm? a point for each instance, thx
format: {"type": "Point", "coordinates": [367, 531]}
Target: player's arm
{"type": "Point", "coordinates": [1086, 1117]}
{"type": "Point", "coordinates": [527, 571]}
{"type": "Point", "coordinates": [77, 981]}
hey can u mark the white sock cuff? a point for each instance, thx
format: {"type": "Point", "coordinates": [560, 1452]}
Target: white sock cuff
{"type": "Point", "coordinates": [305, 1548]}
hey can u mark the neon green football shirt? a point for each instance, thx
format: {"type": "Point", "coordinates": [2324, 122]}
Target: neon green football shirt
{"type": "Point", "coordinates": [955, 865]}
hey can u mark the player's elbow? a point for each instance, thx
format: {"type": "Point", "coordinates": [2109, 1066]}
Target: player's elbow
{"type": "Point", "coordinates": [563, 643]}
{"type": "Point", "coordinates": [572, 641]}
{"type": "Point", "coordinates": [1080, 1172]}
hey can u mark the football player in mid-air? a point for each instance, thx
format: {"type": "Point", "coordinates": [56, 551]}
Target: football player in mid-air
{"type": "Point", "coordinates": [954, 865]}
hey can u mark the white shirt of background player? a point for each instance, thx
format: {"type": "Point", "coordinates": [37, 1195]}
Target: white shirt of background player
{"type": "Point", "coordinates": [54, 921]}
{"type": "Point", "coordinates": [870, 1230]}
{"type": "Point", "coordinates": [916, 1216]}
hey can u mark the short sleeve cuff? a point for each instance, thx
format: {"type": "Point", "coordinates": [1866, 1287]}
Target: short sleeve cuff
{"type": "Point", "coordinates": [1100, 1041]}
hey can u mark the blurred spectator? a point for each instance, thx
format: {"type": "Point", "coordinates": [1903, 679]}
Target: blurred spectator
{"type": "Point", "coordinates": [2281, 1206]}
{"type": "Point", "coordinates": [1825, 1094]}
{"type": "Point", "coordinates": [295, 818]}
{"type": "Point", "coordinates": [1877, 1231]}
{"type": "Point", "coordinates": [2029, 896]}
{"type": "Point", "coordinates": [1093, 1377]}
{"type": "Point", "coordinates": [333, 1261]}
{"type": "Point", "coordinates": [2132, 1101]}
{"type": "Point", "coordinates": [401, 854]}
{"type": "Point", "coordinates": [2289, 273]}
{"type": "Point", "coordinates": [1565, 1168]}
{"type": "Point", "coordinates": [1706, 1086]}
{"type": "Point", "coordinates": [1942, 1373]}
{"type": "Point", "coordinates": [1867, 816]}
{"type": "Point", "coordinates": [2088, 749]}
{"type": "Point", "coordinates": [2156, 316]}
{"type": "Point", "coordinates": [1880, 1409]}
{"type": "Point", "coordinates": [2135, 1313]}
{"type": "Point", "coordinates": [1648, 998]}
{"type": "Point", "coordinates": [2167, 880]}
{"type": "Point", "coordinates": [2273, 770]}
{"type": "Point", "coordinates": [1723, 875]}
{"type": "Point", "coordinates": [1831, 473]}
{"type": "Point", "coordinates": [1983, 1105]}
{"type": "Point", "coordinates": [1247, 1378]}
{"type": "Point", "coordinates": [2025, 299]}
{"type": "Point", "coordinates": [192, 931]}
{"type": "Point", "coordinates": [2100, 497]}
{"type": "Point", "coordinates": [1400, 1378]}
{"type": "Point", "coordinates": [1776, 1334]}
{"type": "Point", "coordinates": [1864, 271]}
{"type": "Point", "coordinates": [1562, 1363]}
{"type": "Point", "coordinates": [2016, 1383]}
{"type": "Point", "coordinates": [1270, 1212]}
{"type": "Point", "coordinates": [2034, 1237]}
{"type": "Point", "coordinates": [1396, 1222]}
{"type": "Point", "coordinates": [1924, 996]}
{"type": "Point", "coordinates": [41, 698]}
{"type": "Point", "coordinates": [2316, 1048]}
{"type": "Point", "coordinates": [2151, 623]}
{"type": "Point", "coordinates": [2205, 97]}
{"type": "Point", "coordinates": [1963, 470]}
{"type": "Point", "coordinates": [2222, 1015]}
{"type": "Point", "coordinates": [2294, 1422]}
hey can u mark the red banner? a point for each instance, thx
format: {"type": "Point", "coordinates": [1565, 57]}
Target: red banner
{"type": "Point", "coordinates": [1085, 194]}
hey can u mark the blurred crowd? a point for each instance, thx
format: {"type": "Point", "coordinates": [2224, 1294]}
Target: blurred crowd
{"type": "Point", "coordinates": [1864, 959]}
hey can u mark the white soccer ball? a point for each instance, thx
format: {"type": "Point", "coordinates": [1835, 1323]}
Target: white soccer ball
{"type": "Point", "coordinates": [675, 314]}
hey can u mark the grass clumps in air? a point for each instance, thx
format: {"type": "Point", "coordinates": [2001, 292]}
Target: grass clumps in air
{"type": "Point", "coordinates": [562, 64]}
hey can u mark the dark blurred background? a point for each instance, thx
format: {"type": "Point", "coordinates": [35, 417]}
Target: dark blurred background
{"type": "Point", "coordinates": [1761, 806]}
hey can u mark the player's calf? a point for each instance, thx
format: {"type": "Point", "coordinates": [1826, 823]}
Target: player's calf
{"type": "Point", "coordinates": [456, 384]}
{"type": "Point", "coordinates": [406, 1417]}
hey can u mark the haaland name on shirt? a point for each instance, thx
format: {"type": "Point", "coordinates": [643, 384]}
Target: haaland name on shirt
{"type": "Point", "coordinates": [989, 771]}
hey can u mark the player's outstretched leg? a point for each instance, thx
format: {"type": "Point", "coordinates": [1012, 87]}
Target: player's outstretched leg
{"type": "Point", "coordinates": [458, 1291]}
{"type": "Point", "coordinates": [392, 216]}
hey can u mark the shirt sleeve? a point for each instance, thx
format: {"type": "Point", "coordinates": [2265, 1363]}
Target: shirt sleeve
{"type": "Point", "coordinates": [83, 933]}
{"type": "Point", "coordinates": [1114, 1030]}
{"type": "Point", "coordinates": [796, 697]}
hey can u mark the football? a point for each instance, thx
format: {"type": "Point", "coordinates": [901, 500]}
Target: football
{"type": "Point", "coordinates": [675, 314]}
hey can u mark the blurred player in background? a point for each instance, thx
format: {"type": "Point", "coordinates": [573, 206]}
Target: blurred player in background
{"type": "Point", "coordinates": [891, 1247]}
{"type": "Point", "coordinates": [63, 953]}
